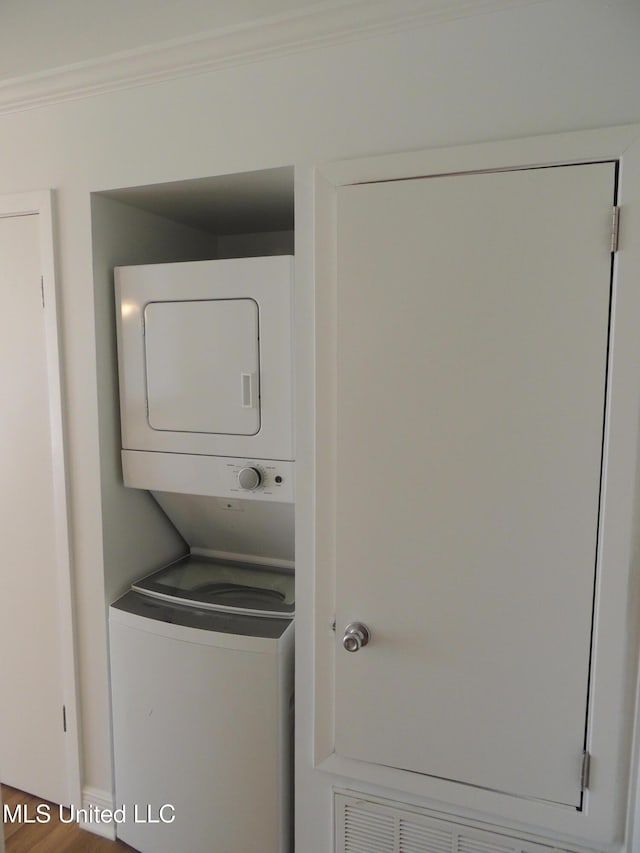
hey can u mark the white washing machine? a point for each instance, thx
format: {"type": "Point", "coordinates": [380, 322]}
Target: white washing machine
{"type": "Point", "coordinates": [202, 651]}
{"type": "Point", "coordinates": [202, 700]}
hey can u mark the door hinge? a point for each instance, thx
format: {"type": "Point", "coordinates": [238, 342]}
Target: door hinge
{"type": "Point", "coordinates": [615, 228]}
{"type": "Point", "coordinates": [586, 770]}
{"type": "Point", "coordinates": [333, 623]}
{"type": "Point", "coordinates": [64, 718]}
{"type": "Point", "coordinates": [42, 289]}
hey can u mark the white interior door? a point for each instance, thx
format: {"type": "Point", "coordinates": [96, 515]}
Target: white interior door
{"type": "Point", "coordinates": [472, 336]}
{"type": "Point", "coordinates": [36, 754]}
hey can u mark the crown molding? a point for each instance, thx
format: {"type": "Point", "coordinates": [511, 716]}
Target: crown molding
{"type": "Point", "coordinates": [313, 26]}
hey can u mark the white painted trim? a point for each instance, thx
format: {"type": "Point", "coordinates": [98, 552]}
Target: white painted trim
{"type": "Point", "coordinates": [265, 38]}
{"type": "Point", "coordinates": [94, 802]}
{"type": "Point", "coordinates": [630, 223]}
{"type": "Point", "coordinates": [633, 807]}
{"type": "Point", "coordinates": [581, 146]}
{"type": "Point", "coordinates": [615, 644]}
{"type": "Point", "coordinates": [41, 203]}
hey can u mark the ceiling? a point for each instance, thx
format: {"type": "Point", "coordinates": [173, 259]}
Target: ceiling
{"type": "Point", "coordinates": [244, 202]}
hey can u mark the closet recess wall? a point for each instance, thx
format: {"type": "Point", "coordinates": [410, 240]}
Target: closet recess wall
{"type": "Point", "coordinates": [236, 215]}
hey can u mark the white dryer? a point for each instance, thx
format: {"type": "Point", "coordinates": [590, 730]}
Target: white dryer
{"type": "Point", "coordinates": [206, 376]}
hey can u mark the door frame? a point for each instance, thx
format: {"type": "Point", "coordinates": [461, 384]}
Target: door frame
{"type": "Point", "coordinates": [613, 689]}
{"type": "Point", "coordinates": [40, 203]}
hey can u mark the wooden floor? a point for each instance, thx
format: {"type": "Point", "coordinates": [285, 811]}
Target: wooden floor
{"type": "Point", "coordinates": [53, 836]}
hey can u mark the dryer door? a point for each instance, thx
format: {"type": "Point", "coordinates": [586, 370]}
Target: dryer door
{"type": "Point", "coordinates": [202, 366]}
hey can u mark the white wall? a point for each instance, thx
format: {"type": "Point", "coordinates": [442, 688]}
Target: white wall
{"type": "Point", "coordinates": [538, 68]}
{"type": "Point", "coordinates": [85, 29]}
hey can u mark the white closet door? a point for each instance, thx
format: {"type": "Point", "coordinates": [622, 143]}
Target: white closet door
{"type": "Point", "coordinates": [32, 740]}
{"type": "Point", "coordinates": [472, 338]}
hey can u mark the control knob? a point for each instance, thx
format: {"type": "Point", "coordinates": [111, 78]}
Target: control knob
{"type": "Point", "coordinates": [249, 478]}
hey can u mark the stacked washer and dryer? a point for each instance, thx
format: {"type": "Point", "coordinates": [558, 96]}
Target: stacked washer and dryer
{"type": "Point", "coordinates": [202, 649]}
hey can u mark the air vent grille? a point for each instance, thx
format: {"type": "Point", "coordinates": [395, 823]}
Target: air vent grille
{"type": "Point", "coordinates": [373, 826]}
{"type": "Point", "coordinates": [366, 832]}
{"type": "Point", "coordinates": [423, 839]}
{"type": "Point", "coordinates": [477, 845]}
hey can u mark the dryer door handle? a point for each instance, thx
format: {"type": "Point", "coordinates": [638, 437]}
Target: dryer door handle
{"type": "Point", "coordinates": [246, 390]}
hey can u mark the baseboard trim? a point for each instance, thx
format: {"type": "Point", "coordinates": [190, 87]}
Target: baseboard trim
{"type": "Point", "coordinates": [94, 805]}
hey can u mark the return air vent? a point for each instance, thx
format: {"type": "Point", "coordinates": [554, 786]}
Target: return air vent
{"type": "Point", "coordinates": [415, 838]}
{"type": "Point", "coordinates": [372, 826]}
{"type": "Point", "coordinates": [476, 845]}
{"type": "Point", "coordinates": [368, 833]}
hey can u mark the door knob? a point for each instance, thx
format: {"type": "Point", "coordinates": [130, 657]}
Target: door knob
{"type": "Point", "coordinates": [356, 635]}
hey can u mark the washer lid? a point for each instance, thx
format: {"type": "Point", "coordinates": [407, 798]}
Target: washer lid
{"type": "Point", "coordinates": [228, 622]}
{"type": "Point", "coordinates": [224, 585]}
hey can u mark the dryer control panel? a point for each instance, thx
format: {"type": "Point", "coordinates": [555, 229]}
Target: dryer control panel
{"type": "Point", "coordinates": [192, 474]}
{"type": "Point", "coordinates": [262, 479]}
